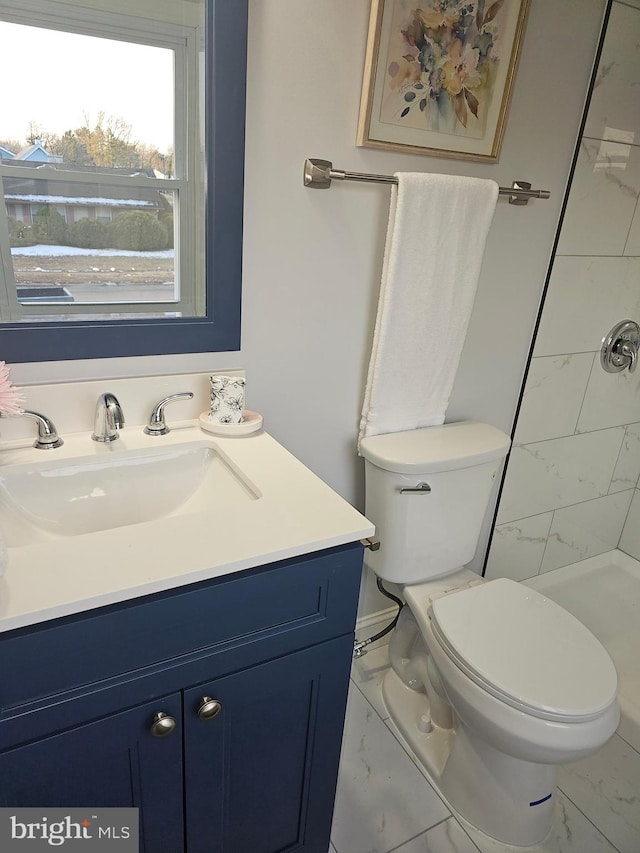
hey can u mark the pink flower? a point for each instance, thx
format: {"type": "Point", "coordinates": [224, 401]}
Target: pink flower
{"type": "Point", "coordinates": [11, 399]}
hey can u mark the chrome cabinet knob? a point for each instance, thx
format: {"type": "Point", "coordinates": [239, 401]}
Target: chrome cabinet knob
{"type": "Point", "coordinates": [162, 725]}
{"type": "Point", "coordinates": [209, 708]}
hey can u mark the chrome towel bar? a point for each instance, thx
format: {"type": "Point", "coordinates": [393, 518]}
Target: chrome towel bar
{"type": "Point", "coordinates": [318, 175]}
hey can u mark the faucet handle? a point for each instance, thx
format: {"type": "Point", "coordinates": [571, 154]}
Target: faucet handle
{"type": "Point", "coordinates": [629, 349]}
{"type": "Point", "coordinates": [48, 438]}
{"type": "Point", "coordinates": [157, 425]}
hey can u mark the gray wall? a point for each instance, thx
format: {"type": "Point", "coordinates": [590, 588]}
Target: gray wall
{"type": "Point", "coordinates": [313, 259]}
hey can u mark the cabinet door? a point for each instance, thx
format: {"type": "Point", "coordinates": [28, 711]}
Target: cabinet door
{"type": "Point", "coordinates": [261, 774]}
{"type": "Point", "coordinates": [115, 761]}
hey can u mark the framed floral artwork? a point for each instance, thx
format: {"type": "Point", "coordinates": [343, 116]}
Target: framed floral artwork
{"type": "Point", "coordinates": [439, 74]}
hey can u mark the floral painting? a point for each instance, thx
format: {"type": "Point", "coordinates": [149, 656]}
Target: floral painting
{"type": "Point", "coordinates": [439, 75]}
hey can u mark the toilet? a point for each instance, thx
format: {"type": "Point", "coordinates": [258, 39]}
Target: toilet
{"type": "Point", "coordinates": [491, 684]}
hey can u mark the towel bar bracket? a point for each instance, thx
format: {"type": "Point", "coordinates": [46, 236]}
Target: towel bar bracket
{"type": "Point", "coordinates": [519, 199]}
{"type": "Point", "coordinates": [318, 175]}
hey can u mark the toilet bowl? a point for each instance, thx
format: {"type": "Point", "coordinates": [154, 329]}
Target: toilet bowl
{"type": "Point", "coordinates": [491, 684]}
{"type": "Point", "coordinates": [531, 690]}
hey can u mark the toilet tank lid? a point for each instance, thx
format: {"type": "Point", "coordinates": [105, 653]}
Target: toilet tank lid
{"type": "Point", "coordinates": [436, 448]}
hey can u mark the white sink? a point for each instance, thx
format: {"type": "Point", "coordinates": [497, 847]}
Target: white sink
{"type": "Point", "coordinates": [114, 488]}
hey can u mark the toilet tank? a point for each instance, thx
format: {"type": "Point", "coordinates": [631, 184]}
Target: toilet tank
{"type": "Point", "coordinates": [427, 492]}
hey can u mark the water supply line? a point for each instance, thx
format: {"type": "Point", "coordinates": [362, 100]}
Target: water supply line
{"type": "Point", "coordinates": [360, 646]}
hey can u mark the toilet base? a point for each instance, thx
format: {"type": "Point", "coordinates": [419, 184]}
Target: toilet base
{"type": "Point", "coordinates": [504, 797]}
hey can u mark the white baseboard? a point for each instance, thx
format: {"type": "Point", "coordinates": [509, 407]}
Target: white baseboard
{"type": "Point", "coordinates": [365, 623]}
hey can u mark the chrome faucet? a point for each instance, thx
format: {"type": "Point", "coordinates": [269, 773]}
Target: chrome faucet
{"type": "Point", "coordinates": [108, 419]}
{"type": "Point", "coordinates": [48, 437]}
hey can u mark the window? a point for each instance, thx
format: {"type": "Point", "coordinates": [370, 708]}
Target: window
{"type": "Point", "coordinates": [211, 219]}
{"type": "Point", "coordinates": [102, 195]}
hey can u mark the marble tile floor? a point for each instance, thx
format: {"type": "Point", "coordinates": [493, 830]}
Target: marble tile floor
{"type": "Point", "coordinates": [384, 803]}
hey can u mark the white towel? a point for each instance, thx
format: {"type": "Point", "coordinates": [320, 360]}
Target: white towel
{"type": "Point", "coordinates": [438, 226]}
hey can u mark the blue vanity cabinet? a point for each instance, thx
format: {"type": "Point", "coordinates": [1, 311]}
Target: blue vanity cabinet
{"type": "Point", "coordinates": [251, 671]}
{"type": "Point", "coordinates": [111, 762]}
{"type": "Point", "coordinates": [261, 772]}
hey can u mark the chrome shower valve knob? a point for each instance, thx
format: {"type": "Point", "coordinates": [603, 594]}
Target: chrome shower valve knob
{"type": "Point", "coordinates": [619, 349]}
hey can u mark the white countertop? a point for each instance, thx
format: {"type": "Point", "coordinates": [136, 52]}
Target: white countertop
{"type": "Point", "coordinates": [294, 513]}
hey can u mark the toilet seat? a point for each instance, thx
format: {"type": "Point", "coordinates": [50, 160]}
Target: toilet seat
{"type": "Point", "coordinates": [525, 650]}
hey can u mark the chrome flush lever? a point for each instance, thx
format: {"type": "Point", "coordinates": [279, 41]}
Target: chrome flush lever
{"type": "Point", "coordinates": [420, 489]}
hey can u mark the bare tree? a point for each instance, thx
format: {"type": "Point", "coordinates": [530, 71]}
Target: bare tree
{"type": "Point", "coordinates": [105, 142]}
{"type": "Point", "coordinates": [11, 145]}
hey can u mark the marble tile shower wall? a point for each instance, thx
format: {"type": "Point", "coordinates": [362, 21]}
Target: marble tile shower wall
{"type": "Point", "coordinates": [571, 485]}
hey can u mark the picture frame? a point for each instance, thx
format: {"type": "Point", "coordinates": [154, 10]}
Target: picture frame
{"type": "Point", "coordinates": [438, 76]}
